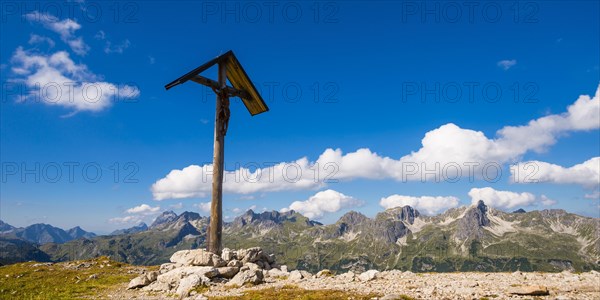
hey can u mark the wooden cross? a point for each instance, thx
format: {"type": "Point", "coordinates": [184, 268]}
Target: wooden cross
{"type": "Point", "coordinates": [229, 68]}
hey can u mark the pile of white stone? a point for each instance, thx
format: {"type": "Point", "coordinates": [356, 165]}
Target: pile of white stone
{"type": "Point", "coordinates": [192, 268]}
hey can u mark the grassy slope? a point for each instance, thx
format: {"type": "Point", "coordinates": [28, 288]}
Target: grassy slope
{"type": "Point", "coordinates": [145, 248]}
{"type": "Point", "coordinates": [94, 279]}
{"type": "Point", "coordinates": [77, 279]}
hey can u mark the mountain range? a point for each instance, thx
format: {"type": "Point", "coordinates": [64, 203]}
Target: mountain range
{"type": "Point", "coordinates": [468, 238]}
{"type": "Point", "coordinates": [43, 233]}
{"type": "Point", "coordinates": [21, 244]}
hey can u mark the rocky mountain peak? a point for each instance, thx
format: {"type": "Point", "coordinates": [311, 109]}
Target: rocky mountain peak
{"type": "Point", "coordinates": [163, 219]}
{"type": "Point", "coordinates": [402, 213]}
{"type": "Point", "coordinates": [479, 214]}
{"type": "Point", "coordinates": [142, 226]}
{"type": "Point", "coordinates": [408, 214]}
{"type": "Point", "coordinates": [470, 226]}
{"type": "Point", "coordinates": [43, 233]}
{"type": "Point", "coordinates": [77, 232]}
{"type": "Point", "coordinates": [188, 216]}
{"type": "Point", "coordinates": [135, 229]}
{"type": "Point", "coordinates": [270, 218]}
{"type": "Point", "coordinates": [5, 227]}
{"type": "Point", "coordinates": [352, 218]}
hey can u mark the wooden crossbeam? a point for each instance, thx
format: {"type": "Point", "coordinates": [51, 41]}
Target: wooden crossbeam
{"type": "Point", "coordinates": [215, 85]}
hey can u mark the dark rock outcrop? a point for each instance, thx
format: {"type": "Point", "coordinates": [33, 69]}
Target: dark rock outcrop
{"type": "Point", "coordinates": [470, 226]}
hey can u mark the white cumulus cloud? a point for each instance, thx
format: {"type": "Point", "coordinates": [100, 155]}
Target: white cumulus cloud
{"type": "Point", "coordinates": [203, 206]}
{"type": "Point", "coordinates": [196, 181]}
{"type": "Point", "coordinates": [446, 153]}
{"type": "Point", "coordinates": [136, 214]}
{"type": "Point", "coordinates": [586, 174]}
{"type": "Point", "coordinates": [143, 209]}
{"type": "Point", "coordinates": [328, 201]}
{"type": "Point", "coordinates": [547, 201]}
{"type": "Point", "coordinates": [57, 80]}
{"type": "Point", "coordinates": [429, 205]}
{"type": "Point", "coordinates": [501, 199]}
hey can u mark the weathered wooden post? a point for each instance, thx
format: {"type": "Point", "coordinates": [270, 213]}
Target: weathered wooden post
{"type": "Point", "coordinates": [229, 68]}
{"type": "Point", "coordinates": [221, 122]}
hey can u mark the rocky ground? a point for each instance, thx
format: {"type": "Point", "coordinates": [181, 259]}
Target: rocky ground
{"type": "Point", "coordinates": [197, 274]}
{"type": "Point", "coordinates": [396, 284]}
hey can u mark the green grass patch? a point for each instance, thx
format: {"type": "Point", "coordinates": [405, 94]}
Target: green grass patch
{"type": "Point", "coordinates": [71, 280]}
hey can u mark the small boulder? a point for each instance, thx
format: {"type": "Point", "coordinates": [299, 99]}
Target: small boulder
{"type": "Point", "coordinates": [532, 290]}
{"type": "Point", "coordinates": [306, 274]}
{"type": "Point", "coordinates": [368, 275]}
{"type": "Point", "coordinates": [284, 268]}
{"type": "Point", "coordinates": [158, 286]}
{"type": "Point", "coordinates": [227, 272]}
{"type": "Point", "coordinates": [184, 257]}
{"type": "Point", "coordinates": [164, 268]}
{"type": "Point", "coordinates": [295, 275]}
{"type": "Point", "coordinates": [252, 266]}
{"type": "Point", "coordinates": [197, 257]}
{"type": "Point", "coordinates": [174, 276]}
{"type": "Point", "coordinates": [188, 283]}
{"type": "Point", "coordinates": [227, 255]}
{"type": "Point", "coordinates": [324, 273]}
{"type": "Point", "coordinates": [276, 273]}
{"type": "Point", "coordinates": [152, 275]}
{"type": "Point", "coordinates": [139, 282]}
{"type": "Point", "coordinates": [143, 280]}
{"type": "Point", "coordinates": [252, 254]}
{"type": "Point", "coordinates": [235, 263]}
{"type": "Point", "coordinates": [240, 254]}
{"type": "Point", "coordinates": [247, 277]}
{"type": "Point", "coordinates": [348, 276]}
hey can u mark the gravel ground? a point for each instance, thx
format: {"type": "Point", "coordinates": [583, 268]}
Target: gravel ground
{"type": "Point", "coordinates": [392, 284]}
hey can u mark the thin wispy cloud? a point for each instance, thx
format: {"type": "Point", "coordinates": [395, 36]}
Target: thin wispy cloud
{"type": "Point", "coordinates": [507, 64]}
{"type": "Point", "coordinates": [65, 28]}
{"type": "Point", "coordinates": [35, 39]}
{"type": "Point", "coordinates": [109, 46]}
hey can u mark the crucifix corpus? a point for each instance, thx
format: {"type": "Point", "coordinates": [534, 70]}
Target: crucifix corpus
{"type": "Point", "coordinates": [229, 69]}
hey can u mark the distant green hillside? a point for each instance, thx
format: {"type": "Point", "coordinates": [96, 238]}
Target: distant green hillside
{"type": "Point", "coordinates": [474, 238]}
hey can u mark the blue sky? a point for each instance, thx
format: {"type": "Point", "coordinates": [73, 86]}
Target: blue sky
{"type": "Point", "coordinates": [392, 85]}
